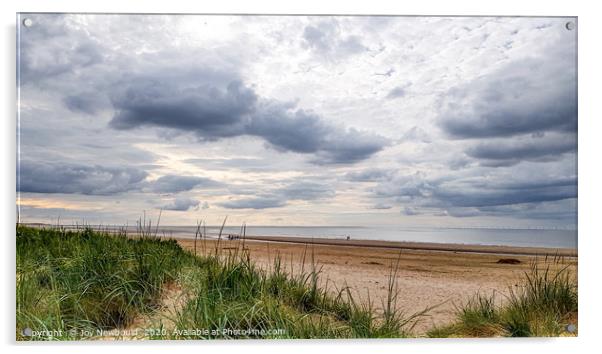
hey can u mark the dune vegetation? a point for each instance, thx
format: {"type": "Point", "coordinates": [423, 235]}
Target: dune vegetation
{"type": "Point", "coordinates": [544, 305]}
{"type": "Point", "coordinates": [83, 284]}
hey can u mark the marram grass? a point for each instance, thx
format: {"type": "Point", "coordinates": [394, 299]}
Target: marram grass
{"type": "Point", "coordinates": [72, 285]}
{"type": "Point", "coordinates": [543, 305]}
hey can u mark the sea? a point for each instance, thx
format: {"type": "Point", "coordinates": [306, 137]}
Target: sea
{"type": "Point", "coordinates": [552, 238]}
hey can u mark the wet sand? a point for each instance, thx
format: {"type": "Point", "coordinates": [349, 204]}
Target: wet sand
{"type": "Point", "coordinates": [428, 274]}
{"type": "Point", "coordinates": [424, 246]}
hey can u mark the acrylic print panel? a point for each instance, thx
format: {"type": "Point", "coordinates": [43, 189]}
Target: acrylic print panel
{"type": "Point", "coordinates": [226, 177]}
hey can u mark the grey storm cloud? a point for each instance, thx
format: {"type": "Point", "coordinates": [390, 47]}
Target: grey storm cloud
{"type": "Point", "coordinates": [483, 194]}
{"type": "Point", "coordinates": [105, 85]}
{"type": "Point", "coordinates": [216, 111]}
{"type": "Point", "coordinates": [87, 103]}
{"type": "Point", "coordinates": [462, 212]}
{"type": "Point", "coordinates": [40, 177]}
{"type": "Point", "coordinates": [557, 210]}
{"type": "Point", "coordinates": [182, 204]}
{"type": "Point", "coordinates": [408, 187]}
{"type": "Point", "coordinates": [544, 210]}
{"type": "Point", "coordinates": [525, 110]}
{"type": "Point", "coordinates": [368, 175]}
{"type": "Point", "coordinates": [326, 40]}
{"type": "Point", "coordinates": [74, 178]}
{"type": "Point", "coordinates": [508, 153]}
{"type": "Point", "coordinates": [458, 163]}
{"type": "Point", "coordinates": [410, 211]}
{"type": "Point", "coordinates": [396, 92]}
{"type": "Point", "coordinates": [51, 47]}
{"type": "Point", "coordinates": [382, 206]}
{"type": "Point", "coordinates": [467, 196]}
{"type": "Point", "coordinates": [175, 184]}
{"type": "Point", "coordinates": [255, 203]}
{"type": "Point", "coordinates": [306, 190]}
{"type": "Point", "coordinates": [207, 110]}
{"type": "Point", "coordinates": [300, 190]}
{"type": "Point", "coordinates": [527, 96]}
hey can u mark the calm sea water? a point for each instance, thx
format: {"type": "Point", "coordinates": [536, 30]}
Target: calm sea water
{"type": "Point", "coordinates": [480, 236]}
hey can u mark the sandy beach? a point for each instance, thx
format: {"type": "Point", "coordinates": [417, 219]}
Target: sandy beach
{"type": "Point", "coordinates": [437, 275]}
{"type": "Point", "coordinates": [428, 274]}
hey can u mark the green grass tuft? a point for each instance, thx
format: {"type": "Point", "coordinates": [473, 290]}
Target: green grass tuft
{"type": "Point", "coordinates": [542, 306]}
{"type": "Point", "coordinates": [80, 281]}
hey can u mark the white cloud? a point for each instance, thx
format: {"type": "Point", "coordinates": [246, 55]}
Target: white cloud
{"type": "Point", "coordinates": [391, 77]}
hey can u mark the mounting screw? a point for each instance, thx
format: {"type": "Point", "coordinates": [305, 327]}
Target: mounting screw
{"type": "Point", "coordinates": [28, 22]}
{"type": "Point", "coordinates": [570, 25]}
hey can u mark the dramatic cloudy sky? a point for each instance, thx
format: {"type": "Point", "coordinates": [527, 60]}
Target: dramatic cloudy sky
{"type": "Point", "coordinates": [299, 120]}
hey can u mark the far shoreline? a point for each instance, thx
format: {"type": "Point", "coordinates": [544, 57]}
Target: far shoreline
{"type": "Point", "coordinates": [382, 244]}
{"type": "Point", "coordinates": [421, 246]}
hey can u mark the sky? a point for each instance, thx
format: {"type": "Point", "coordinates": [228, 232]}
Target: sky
{"type": "Point", "coordinates": [296, 120]}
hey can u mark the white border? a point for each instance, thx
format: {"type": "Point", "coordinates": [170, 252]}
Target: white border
{"type": "Point", "coordinates": [589, 170]}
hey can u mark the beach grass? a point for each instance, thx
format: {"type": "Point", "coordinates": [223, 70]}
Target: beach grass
{"type": "Point", "coordinates": [543, 305]}
{"type": "Point", "coordinates": [73, 284]}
